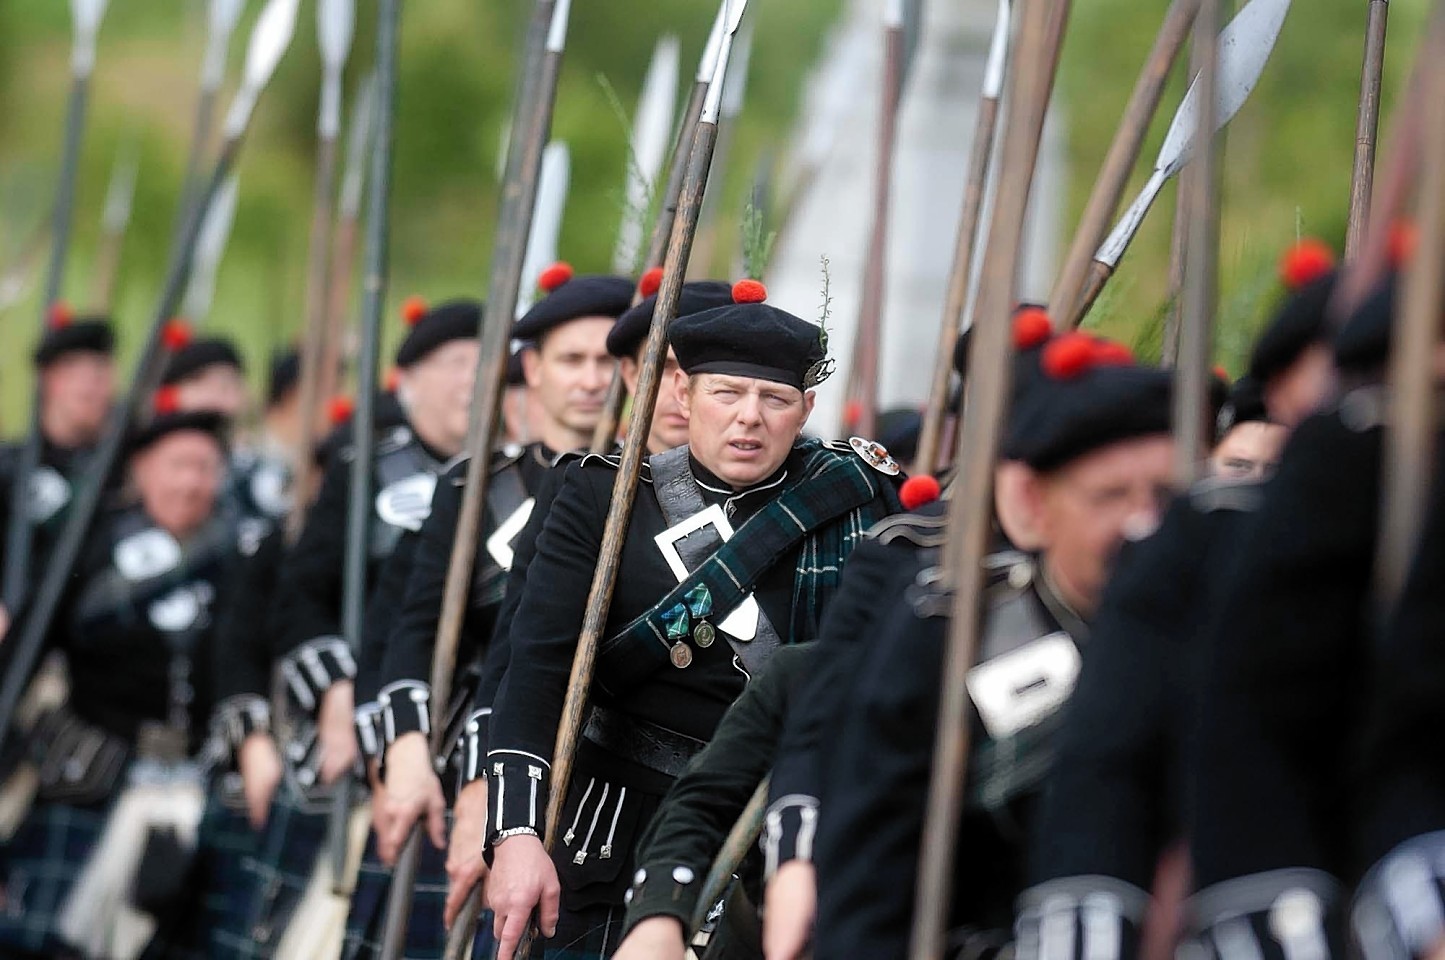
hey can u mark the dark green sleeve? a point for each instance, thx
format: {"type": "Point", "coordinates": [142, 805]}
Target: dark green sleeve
{"type": "Point", "coordinates": [679, 846]}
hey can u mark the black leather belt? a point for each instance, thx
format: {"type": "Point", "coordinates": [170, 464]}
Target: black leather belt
{"type": "Point", "coordinates": [646, 744]}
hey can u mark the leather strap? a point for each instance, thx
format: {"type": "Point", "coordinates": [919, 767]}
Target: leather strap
{"type": "Point", "coordinates": [680, 497]}
{"type": "Point", "coordinates": [647, 744]}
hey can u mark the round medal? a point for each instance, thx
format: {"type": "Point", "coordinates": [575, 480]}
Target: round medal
{"type": "Point", "coordinates": [681, 655]}
{"type": "Point", "coordinates": [704, 634]}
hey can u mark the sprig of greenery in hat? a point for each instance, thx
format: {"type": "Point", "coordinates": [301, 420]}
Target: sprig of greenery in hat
{"type": "Point", "coordinates": [645, 212]}
{"type": "Point", "coordinates": [757, 242]}
{"type": "Point", "coordinates": [827, 308]}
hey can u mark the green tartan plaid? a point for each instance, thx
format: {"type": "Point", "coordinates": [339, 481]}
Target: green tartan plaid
{"type": "Point", "coordinates": [829, 508]}
{"type": "Point", "coordinates": [39, 866]}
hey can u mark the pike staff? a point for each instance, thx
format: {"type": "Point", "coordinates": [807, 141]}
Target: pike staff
{"type": "Point", "coordinates": [960, 275]}
{"type": "Point", "coordinates": [335, 20]}
{"type": "Point", "coordinates": [85, 18]}
{"type": "Point", "coordinates": [1367, 125]}
{"type": "Point", "coordinates": [1123, 154]}
{"type": "Point", "coordinates": [1201, 276]}
{"type": "Point", "coordinates": [531, 126]}
{"type": "Point", "coordinates": [969, 510]}
{"type": "Point", "coordinates": [343, 253]}
{"type": "Point", "coordinates": [605, 434]}
{"type": "Point", "coordinates": [269, 40]}
{"type": "Point", "coordinates": [1415, 341]}
{"type": "Point", "coordinates": [862, 393]}
{"type": "Point", "coordinates": [1244, 49]}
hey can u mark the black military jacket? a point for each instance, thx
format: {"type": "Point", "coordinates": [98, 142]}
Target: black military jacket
{"type": "Point", "coordinates": [402, 637]}
{"type": "Point", "coordinates": [687, 700]}
{"type": "Point", "coordinates": [1285, 686]}
{"type": "Point", "coordinates": [306, 617]}
{"type": "Point", "coordinates": [878, 758]}
{"type": "Point", "coordinates": [50, 492]}
{"type": "Point", "coordinates": [137, 631]}
{"type": "Point", "coordinates": [1114, 799]}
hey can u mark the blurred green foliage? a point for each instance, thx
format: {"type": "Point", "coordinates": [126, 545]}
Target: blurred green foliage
{"type": "Point", "coordinates": [458, 66]}
{"type": "Point", "coordinates": [1286, 166]}
{"type": "Point", "coordinates": [1287, 161]}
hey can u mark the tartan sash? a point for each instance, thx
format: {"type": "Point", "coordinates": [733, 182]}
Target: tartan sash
{"type": "Point", "coordinates": [832, 504]}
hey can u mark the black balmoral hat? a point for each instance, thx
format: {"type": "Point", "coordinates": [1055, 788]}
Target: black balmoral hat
{"type": "Point", "coordinates": [432, 327]}
{"type": "Point", "coordinates": [68, 334]}
{"type": "Point", "coordinates": [201, 421]}
{"type": "Point", "coordinates": [1309, 273]}
{"type": "Point", "coordinates": [631, 328]}
{"type": "Point", "coordinates": [571, 298]}
{"type": "Point", "coordinates": [751, 338]}
{"type": "Point", "coordinates": [199, 354]}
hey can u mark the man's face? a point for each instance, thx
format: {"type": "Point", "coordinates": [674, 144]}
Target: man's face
{"type": "Point", "coordinates": [1084, 510]}
{"type": "Point", "coordinates": [438, 392]}
{"type": "Point", "coordinates": [669, 419]}
{"type": "Point", "coordinates": [1296, 392]}
{"type": "Point", "coordinates": [218, 388]}
{"type": "Point", "coordinates": [741, 428]}
{"type": "Point", "coordinates": [178, 478]}
{"type": "Point", "coordinates": [1249, 451]}
{"type": "Point", "coordinates": [569, 372]}
{"type": "Point", "coordinates": [77, 390]}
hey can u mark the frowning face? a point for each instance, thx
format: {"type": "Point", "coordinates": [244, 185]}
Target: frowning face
{"type": "Point", "coordinates": [741, 428]}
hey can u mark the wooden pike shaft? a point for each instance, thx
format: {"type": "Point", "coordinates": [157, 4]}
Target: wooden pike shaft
{"type": "Point", "coordinates": [739, 841]}
{"type": "Point", "coordinates": [1119, 162]}
{"type": "Point", "coordinates": [314, 345]}
{"type": "Point", "coordinates": [930, 437]}
{"type": "Point", "coordinates": [969, 511]}
{"type": "Point", "coordinates": [1415, 344]}
{"type": "Point", "coordinates": [19, 535]}
{"type": "Point", "coordinates": [1178, 245]}
{"type": "Point", "coordinates": [532, 125]}
{"type": "Point", "coordinates": [1367, 125]}
{"type": "Point", "coordinates": [1191, 379]}
{"type": "Point", "coordinates": [863, 371]}
{"type": "Point", "coordinates": [605, 433]}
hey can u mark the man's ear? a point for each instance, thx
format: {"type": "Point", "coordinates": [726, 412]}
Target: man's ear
{"type": "Point", "coordinates": [810, 397]}
{"type": "Point", "coordinates": [1018, 502]}
{"type": "Point", "coordinates": [680, 383]}
{"type": "Point", "coordinates": [629, 370]}
{"type": "Point", "coordinates": [532, 367]}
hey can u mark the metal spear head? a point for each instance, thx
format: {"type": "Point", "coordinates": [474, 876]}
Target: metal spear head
{"type": "Point", "coordinates": [86, 16]}
{"type": "Point", "coordinates": [363, 111]}
{"type": "Point", "coordinates": [552, 185]}
{"type": "Point", "coordinates": [210, 245]}
{"type": "Point", "coordinates": [269, 40]}
{"type": "Point", "coordinates": [997, 63]}
{"type": "Point", "coordinates": [732, 12]}
{"type": "Point", "coordinates": [651, 133]}
{"type": "Point", "coordinates": [224, 15]}
{"type": "Point", "coordinates": [708, 63]}
{"type": "Point", "coordinates": [737, 84]}
{"type": "Point", "coordinates": [1244, 48]}
{"type": "Point", "coordinates": [220, 26]}
{"type": "Point", "coordinates": [557, 36]}
{"type": "Point", "coordinates": [335, 23]}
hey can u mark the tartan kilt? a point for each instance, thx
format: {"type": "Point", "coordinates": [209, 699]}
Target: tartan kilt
{"type": "Point", "coordinates": [425, 935]}
{"type": "Point", "coordinates": [225, 888]}
{"type": "Point", "coordinates": [39, 866]}
{"type": "Point", "coordinates": [274, 878]}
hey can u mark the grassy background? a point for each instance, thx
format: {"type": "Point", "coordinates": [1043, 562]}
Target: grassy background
{"type": "Point", "coordinates": [1287, 164]}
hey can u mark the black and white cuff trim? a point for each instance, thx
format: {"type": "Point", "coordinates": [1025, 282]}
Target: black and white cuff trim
{"type": "Point", "coordinates": [236, 718]}
{"type": "Point", "coordinates": [662, 889]}
{"type": "Point", "coordinates": [1080, 918]}
{"type": "Point", "coordinates": [405, 708]}
{"type": "Point", "coordinates": [1399, 910]}
{"type": "Point", "coordinates": [789, 829]}
{"type": "Point", "coordinates": [313, 667]}
{"type": "Point", "coordinates": [1289, 914]}
{"type": "Point", "coordinates": [369, 734]}
{"type": "Point", "coordinates": [473, 746]}
{"type": "Point", "coordinates": [518, 796]}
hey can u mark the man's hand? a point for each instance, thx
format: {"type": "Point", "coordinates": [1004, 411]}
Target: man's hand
{"type": "Point", "coordinates": [336, 731]}
{"type": "Point", "coordinates": [790, 904]}
{"type": "Point", "coordinates": [523, 879]}
{"type": "Point", "coordinates": [380, 812]}
{"type": "Point", "coordinates": [412, 792]}
{"type": "Point", "coordinates": [260, 764]}
{"type": "Point", "coordinates": [465, 866]}
{"type": "Point", "coordinates": [656, 938]}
